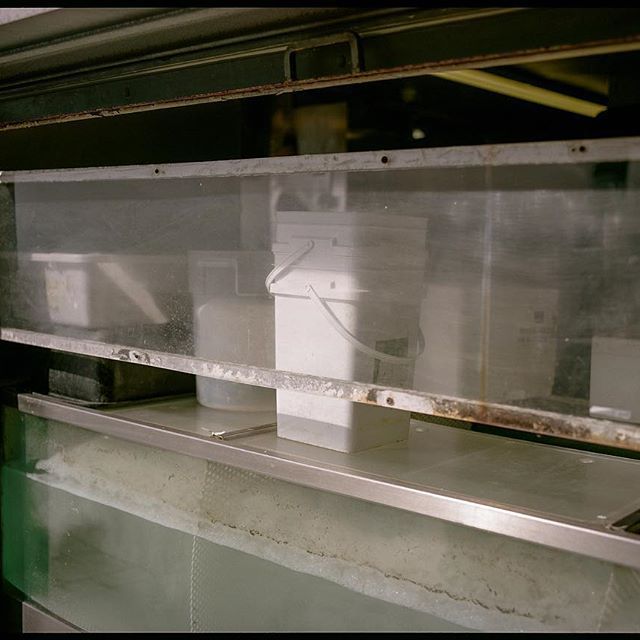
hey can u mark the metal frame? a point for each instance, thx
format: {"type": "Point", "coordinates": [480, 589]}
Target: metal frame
{"type": "Point", "coordinates": [340, 38]}
{"type": "Point", "coordinates": [402, 45]}
{"type": "Point", "coordinates": [582, 429]}
{"type": "Point", "coordinates": [310, 469]}
{"type": "Point", "coordinates": [533, 153]}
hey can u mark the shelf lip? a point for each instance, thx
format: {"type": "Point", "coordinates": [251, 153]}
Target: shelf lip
{"type": "Point", "coordinates": [545, 529]}
{"type": "Point", "coordinates": [36, 619]}
{"type": "Point", "coordinates": [578, 428]}
{"type": "Point", "coordinates": [534, 153]}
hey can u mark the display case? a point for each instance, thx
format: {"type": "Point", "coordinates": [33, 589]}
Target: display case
{"type": "Point", "coordinates": [444, 282]}
{"type": "Point", "coordinates": [320, 319]}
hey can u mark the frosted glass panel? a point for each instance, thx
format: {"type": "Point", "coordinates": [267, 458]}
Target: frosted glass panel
{"type": "Point", "coordinates": [514, 284]}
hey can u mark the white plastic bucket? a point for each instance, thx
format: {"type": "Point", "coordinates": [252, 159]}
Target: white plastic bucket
{"type": "Point", "coordinates": [352, 228]}
{"type": "Point", "coordinates": [98, 291]}
{"type": "Point", "coordinates": [233, 322]}
{"type": "Point", "coordinates": [346, 312]}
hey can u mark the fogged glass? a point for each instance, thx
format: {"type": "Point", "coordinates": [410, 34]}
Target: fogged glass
{"type": "Point", "coordinates": [507, 284]}
{"type": "Point", "coordinates": [112, 535]}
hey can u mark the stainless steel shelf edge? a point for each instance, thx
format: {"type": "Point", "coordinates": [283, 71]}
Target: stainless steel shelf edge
{"type": "Point", "coordinates": [596, 542]}
{"type": "Point", "coordinates": [579, 428]}
{"type": "Point", "coordinates": [37, 620]}
{"type": "Point", "coordinates": [562, 152]}
{"type": "Point", "coordinates": [573, 427]}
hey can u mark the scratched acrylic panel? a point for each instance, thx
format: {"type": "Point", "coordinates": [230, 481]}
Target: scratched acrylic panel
{"type": "Point", "coordinates": [511, 284]}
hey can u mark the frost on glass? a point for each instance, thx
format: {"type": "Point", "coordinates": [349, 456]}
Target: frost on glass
{"type": "Point", "coordinates": [135, 538]}
{"type": "Point", "coordinates": [506, 284]}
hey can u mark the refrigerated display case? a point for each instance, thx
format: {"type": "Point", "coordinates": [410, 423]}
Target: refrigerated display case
{"type": "Point", "coordinates": [365, 288]}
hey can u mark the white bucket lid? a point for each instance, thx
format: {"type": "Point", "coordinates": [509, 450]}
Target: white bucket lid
{"type": "Point", "coordinates": [358, 286]}
{"type": "Point", "coordinates": [327, 254]}
{"type": "Point", "coordinates": [351, 218]}
{"type": "Point", "coordinates": [348, 273]}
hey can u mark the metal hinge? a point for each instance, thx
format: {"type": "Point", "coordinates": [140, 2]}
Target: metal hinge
{"type": "Point", "coordinates": [340, 38]}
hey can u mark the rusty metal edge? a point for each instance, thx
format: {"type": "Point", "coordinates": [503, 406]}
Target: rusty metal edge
{"type": "Point", "coordinates": [519, 153]}
{"type": "Point", "coordinates": [579, 428]}
{"type": "Point", "coordinates": [597, 47]}
{"type": "Point", "coordinates": [203, 55]}
{"type": "Point", "coordinates": [539, 527]}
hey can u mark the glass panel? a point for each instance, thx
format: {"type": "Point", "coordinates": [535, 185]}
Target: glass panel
{"type": "Point", "coordinates": [510, 284]}
{"type": "Point", "coordinates": [134, 538]}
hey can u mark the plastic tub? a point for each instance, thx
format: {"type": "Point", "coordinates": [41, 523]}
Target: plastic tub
{"type": "Point", "coordinates": [233, 322]}
{"type": "Point", "coordinates": [23, 298]}
{"type": "Point", "coordinates": [106, 290]}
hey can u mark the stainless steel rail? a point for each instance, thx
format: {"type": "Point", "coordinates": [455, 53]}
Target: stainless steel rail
{"type": "Point", "coordinates": [572, 427]}
{"type": "Point", "coordinates": [552, 496]}
{"type": "Point", "coordinates": [579, 428]}
{"type": "Point", "coordinates": [513, 154]}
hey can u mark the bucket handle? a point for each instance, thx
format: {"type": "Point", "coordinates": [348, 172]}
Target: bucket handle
{"type": "Point", "coordinates": [287, 262]}
{"type": "Point", "coordinates": [331, 318]}
{"type": "Point", "coordinates": [349, 337]}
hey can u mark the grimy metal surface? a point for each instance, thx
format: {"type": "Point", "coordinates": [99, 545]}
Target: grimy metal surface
{"type": "Point", "coordinates": [582, 537]}
{"type": "Point", "coordinates": [582, 429]}
{"type": "Point", "coordinates": [419, 43]}
{"type": "Point", "coordinates": [530, 153]}
{"type": "Point", "coordinates": [37, 620]}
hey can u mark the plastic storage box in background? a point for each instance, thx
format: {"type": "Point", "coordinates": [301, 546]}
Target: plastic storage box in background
{"type": "Point", "coordinates": [347, 288]}
{"type": "Point", "coordinates": [615, 379]}
{"type": "Point", "coordinates": [514, 358]}
{"type": "Point", "coordinates": [233, 322]}
{"type": "Point", "coordinates": [23, 297]}
{"type": "Point", "coordinates": [96, 291]}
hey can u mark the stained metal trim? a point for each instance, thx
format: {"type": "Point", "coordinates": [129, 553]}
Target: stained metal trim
{"type": "Point", "coordinates": [35, 619]}
{"type": "Point", "coordinates": [564, 534]}
{"type": "Point", "coordinates": [339, 38]}
{"type": "Point", "coordinates": [517, 36]}
{"type": "Point", "coordinates": [530, 153]}
{"type": "Point", "coordinates": [582, 429]}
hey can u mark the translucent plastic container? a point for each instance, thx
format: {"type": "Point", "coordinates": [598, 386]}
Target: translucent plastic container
{"type": "Point", "coordinates": [23, 297]}
{"type": "Point", "coordinates": [97, 290]}
{"type": "Point", "coordinates": [233, 322]}
{"type": "Point", "coordinates": [520, 326]}
{"type": "Point", "coordinates": [615, 376]}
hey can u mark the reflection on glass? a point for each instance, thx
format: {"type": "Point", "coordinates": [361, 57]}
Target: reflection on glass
{"type": "Point", "coordinates": [233, 322]}
{"type": "Point", "coordinates": [503, 284]}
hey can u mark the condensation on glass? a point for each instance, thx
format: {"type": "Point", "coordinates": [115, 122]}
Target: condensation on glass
{"type": "Point", "coordinates": [516, 284]}
{"type": "Point", "coordinates": [112, 535]}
